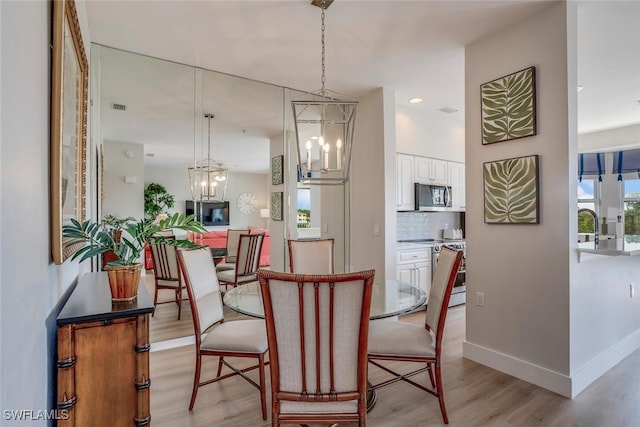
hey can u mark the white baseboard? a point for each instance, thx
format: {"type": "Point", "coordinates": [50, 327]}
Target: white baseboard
{"type": "Point", "coordinates": [592, 370]}
{"type": "Point", "coordinates": [542, 377]}
{"type": "Point", "coordinates": [568, 386]}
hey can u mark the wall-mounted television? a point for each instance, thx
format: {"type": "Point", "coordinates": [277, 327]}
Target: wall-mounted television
{"type": "Point", "coordinates": [212, 213]}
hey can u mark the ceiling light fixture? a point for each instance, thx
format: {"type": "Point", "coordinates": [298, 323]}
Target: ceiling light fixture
{"type": "Point", "coordinates": [415, 100]}
{"type": "Point", "coordinates": [448, 109]}
{"type": "Point", "coordinates": [326, 162]}
{"type": "Point", "coordinates": [205, 175]}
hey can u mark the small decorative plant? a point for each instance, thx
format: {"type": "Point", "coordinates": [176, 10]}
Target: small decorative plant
{"type": "Point", "coordinates": [96, 239]}
{"type": "Point", "coordinates": [116, 224]}
{"type": "Point", "coordinates": [156, 200]}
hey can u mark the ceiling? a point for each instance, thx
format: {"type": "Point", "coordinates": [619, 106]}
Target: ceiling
{"type": "Point", "coordinates": [414, 47]}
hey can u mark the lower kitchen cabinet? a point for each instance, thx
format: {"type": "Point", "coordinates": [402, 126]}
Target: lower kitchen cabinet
{"type": "Point", "coordinates": [414, 266]}
{"type": "Point", "coordinates": [103, 357]}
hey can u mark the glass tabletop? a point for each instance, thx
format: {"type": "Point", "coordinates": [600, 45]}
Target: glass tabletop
{"type": "Point", "coordinates": [390, 298]}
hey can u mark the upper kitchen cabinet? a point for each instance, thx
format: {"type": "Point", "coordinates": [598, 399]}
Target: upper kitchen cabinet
{"type": "Point", "coordinates": [430, 171]}
{"type": "Point", "coordinates": [425, 170]}
{"type": "Point", "coordinates": [455, 180]}
{"type": "Point", "coordinates": [404, 182]}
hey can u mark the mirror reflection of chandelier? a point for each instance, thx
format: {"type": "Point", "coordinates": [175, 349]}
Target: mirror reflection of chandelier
{"type": "Point", "coordinates": [324, 130]}
{"type": "Point", "coordinates": [208, 177]}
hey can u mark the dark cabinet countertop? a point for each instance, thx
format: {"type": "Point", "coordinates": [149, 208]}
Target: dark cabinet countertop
{"type": "Point", "coordinates": [91, 301]}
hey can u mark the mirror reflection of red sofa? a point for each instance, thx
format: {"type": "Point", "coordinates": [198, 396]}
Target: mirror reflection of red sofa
{"type": "Point", "coordinates": [218, 239]}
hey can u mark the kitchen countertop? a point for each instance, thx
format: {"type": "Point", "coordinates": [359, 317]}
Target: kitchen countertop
{"type": "Point", "coordinates": [414, 245]}
{"type": "Point", "coordinates": [627, 245]}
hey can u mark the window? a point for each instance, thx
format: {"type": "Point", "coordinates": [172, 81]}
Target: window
{"type": "Point", "coordinates": [587, 194]}
{"type": "Point", "coordinates": [304, 207]}
{"type": "Point", "coordinates": [631, 206]}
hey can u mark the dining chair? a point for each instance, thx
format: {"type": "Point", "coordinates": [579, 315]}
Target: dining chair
{"type": "Point", "coordinates": [214, 336]}
{"type": "Point", "coordinates": [391, 340]}
{"type": "Point", "coordinates": [317, 327]}
{"type": "Point", "coordinates": [311, 256]}
{"type": "Point", "coordinates": [166, 274]}
{"type": "Point", "coordinates": [247, 261]}
{"type": "Point", "coordinates": [233, 238]}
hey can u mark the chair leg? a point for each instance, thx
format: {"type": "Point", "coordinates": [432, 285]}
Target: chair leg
{"type": "Point", "coordinates": [220, 361]}
{"type": "Point", "coordinates": [433, 384]}
{"type": "Point", "coordinates": [179, 301]}
{"type": "Point", "coordinates": [263, 393]}
{"type": "Point", "coordinates": [196, 381]}
{"type": "Point", "coordinates": [440, 392]}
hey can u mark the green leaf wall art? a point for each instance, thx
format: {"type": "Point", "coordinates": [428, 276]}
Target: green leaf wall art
{"type": "Point", "coordinates": [509, 107]}
{"type": "Point", "coordinates": [511, 191]}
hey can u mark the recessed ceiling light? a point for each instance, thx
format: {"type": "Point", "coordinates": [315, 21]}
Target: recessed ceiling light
{"type": "Point", "coordinates": [580, 87]}
{"type": "Point", "coordinates": [448, 110]}
{"type": "Point", "coordinates": [415, 100]}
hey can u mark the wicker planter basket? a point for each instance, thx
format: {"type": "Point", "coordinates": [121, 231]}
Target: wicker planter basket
{"type": "Point", "coordinates": [124, 281]}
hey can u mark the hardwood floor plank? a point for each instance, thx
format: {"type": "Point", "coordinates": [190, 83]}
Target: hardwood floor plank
{"type": "Point", "coordinates": [475, 394]}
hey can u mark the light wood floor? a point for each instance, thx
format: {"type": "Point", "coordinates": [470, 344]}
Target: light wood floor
{"type": "Point", "coordinates": [475, 395]}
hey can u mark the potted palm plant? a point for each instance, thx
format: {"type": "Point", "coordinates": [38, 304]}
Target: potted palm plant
{"type": "Point", "coordinates": [116, 225]}
{"type": "Point", "coordinates": [90, 238]}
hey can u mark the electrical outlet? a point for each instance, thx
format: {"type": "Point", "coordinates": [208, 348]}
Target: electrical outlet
{"type": "Point", "coordinates": [480, 299]}
{"type": "Point", "coordinates": [632, 290]}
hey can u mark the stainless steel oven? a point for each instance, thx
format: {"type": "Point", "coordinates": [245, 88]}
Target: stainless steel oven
{"type": "Point", "coordinates": [458, 295]}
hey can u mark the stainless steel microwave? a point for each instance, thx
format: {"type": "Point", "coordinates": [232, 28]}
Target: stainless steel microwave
{"type": "Point", "coordinates": [432, 197]}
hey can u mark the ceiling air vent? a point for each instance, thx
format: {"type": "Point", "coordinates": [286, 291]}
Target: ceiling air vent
{"type": "Point", "coordinates": [119, 107]}
{"type": "Point", "coordinates": [448, 110]}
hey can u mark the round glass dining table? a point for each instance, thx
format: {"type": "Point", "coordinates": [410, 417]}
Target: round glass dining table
{"type": "Point", "coordinates": [390, 298]}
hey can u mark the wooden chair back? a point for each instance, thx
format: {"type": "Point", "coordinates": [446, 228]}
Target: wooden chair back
{"type": "Point", "coordinates": [311, 256]}
{"type": "Point", "coordinates": [203, 288]}
{"type": "Point", "coordinates": [248, 255]}
{"type": "Point", "coordinates": [317, 330]}
{"type": "Point", "coordinates": [441, 286]}
{"type": "Point", "coordinates": [165, 261]}
{"type": "Point", "coordinates": [233, 239]}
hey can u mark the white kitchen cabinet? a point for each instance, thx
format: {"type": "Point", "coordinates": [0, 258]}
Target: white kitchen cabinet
{"type": "Point", "coordinates": [414, 266]}
{"type": "Point", "coordinates": [456, 182]}
{"type": "Point", "coordinates": [430, 171]}
{"type": "Point", "coordinates": [404, 182]}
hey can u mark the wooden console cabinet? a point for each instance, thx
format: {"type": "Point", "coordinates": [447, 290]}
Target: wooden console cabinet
{"type": "Point", "coordinates": [103, 357]}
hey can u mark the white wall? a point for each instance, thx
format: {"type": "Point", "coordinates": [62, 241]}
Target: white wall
{"type": "Point", "coordinates": [610, 140]}
{"type": "Point", "coordinates": [123, 199]}
{"type": "Point", "coordinates": [523, 269]}
{"type": "Point", "coordinates": [430, 133]}
{"type": "Point", "coordinates": [368, 205]}
{"type": "Point", "coordinates": [549, 319]}
{"type": "Point", "coordinates": [30, 284]}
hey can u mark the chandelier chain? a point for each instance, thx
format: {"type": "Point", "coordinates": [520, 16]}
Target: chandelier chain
{"type": "Point", "coordinates": [322, 7]}
{"type": "Point", "coordinates": [209, 141]}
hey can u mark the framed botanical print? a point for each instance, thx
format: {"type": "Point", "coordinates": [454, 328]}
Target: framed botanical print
{"type": "Point", "coordinates": [276, 205]}
{"type": "Point", "coordinates": [69, 83]}
{"type": "Point", "coordinates": [509, 107]}
{"type": "Point", "coordinates": [511, 191]}
{"type": "Point", "coordinates": [277, 176]}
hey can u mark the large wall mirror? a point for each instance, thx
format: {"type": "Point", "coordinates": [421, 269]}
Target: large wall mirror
{"type": "Point", "coordinates": [153, 128]}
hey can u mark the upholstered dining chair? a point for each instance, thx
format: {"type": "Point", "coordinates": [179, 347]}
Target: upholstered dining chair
{"type": "Point", "coordinates": [311, 256]}
{"type": "Point", "coordinates": [233, 239]}
{"type": "Point", "coordinates": [214, 336]}
{"type": "Point", "coordinates": [317, 327]}
{"type": "Point", "coordinates": [166, 274]}
{"type": "Point", "coordinates": [400, 341]}
{"type": "Point", "coordinates": [247, 261]}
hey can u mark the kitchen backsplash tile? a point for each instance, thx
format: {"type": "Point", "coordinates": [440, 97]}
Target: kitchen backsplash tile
{"type": "Point", "coordinates": [425, 225]}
